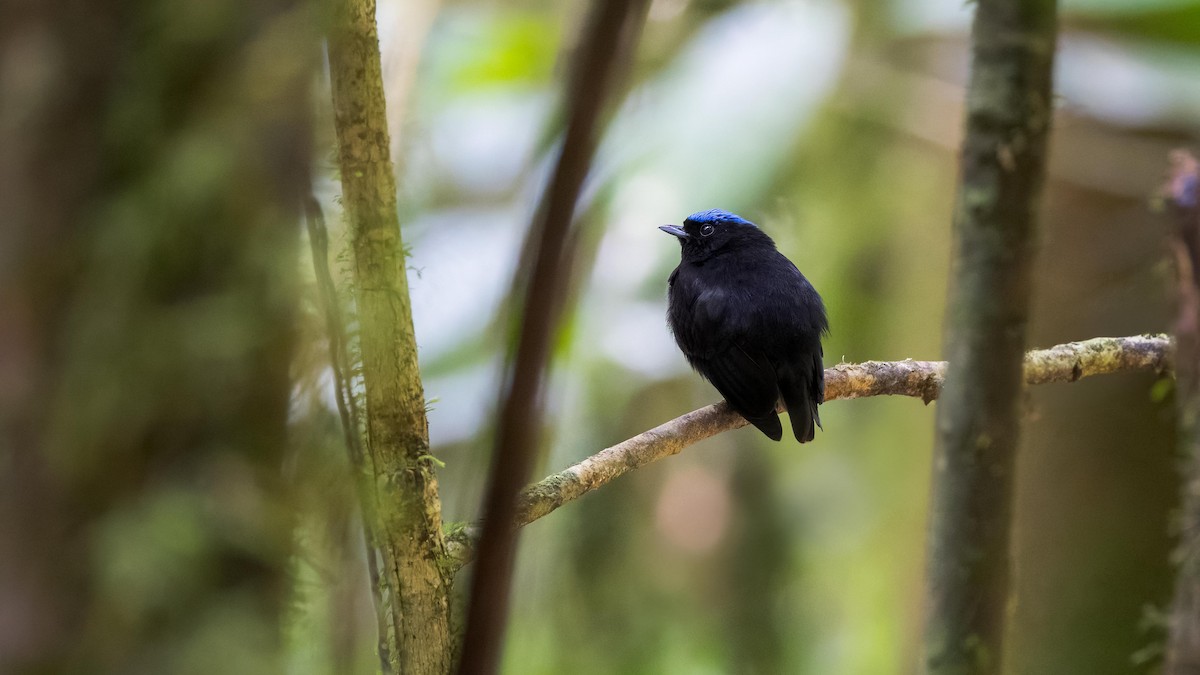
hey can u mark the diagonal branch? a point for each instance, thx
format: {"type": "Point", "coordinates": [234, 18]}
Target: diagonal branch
{"type": "Point", "coordinates": [919, 379]}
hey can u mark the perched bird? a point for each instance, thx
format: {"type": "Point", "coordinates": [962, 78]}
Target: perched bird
{"type": "Point", "coordinates": [748, 321]}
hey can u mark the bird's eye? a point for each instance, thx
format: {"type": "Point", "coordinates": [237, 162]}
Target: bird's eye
{"type": "Point", "coordinates": [707, 230]}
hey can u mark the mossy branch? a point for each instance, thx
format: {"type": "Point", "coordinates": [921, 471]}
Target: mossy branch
{"type": "Point", "coordinates": [918, 379]}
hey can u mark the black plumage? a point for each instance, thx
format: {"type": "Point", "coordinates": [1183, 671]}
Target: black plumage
{"type": "Point", "coordinates": [748, 321]}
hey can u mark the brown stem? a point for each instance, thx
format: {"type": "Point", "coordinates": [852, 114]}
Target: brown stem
{"type": "Point", "coordinates": [605, 51]}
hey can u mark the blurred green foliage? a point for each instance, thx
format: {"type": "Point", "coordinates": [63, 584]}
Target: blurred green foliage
{"type": "Point", "coordinates": [835, 127]}
{"type": "Point", "coordinates": [509, 50]}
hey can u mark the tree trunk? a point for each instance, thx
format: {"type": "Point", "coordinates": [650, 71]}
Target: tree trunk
{"type": "Point", "coordinates": [1183, 643]}
{"type": "Point", "coordinates": [1009, 108]}
{"type": "Point", "coordinates": [150, 183]}
{"type": "Point", "coordinates": [408, 527]}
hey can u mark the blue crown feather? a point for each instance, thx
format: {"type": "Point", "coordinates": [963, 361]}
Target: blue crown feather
{"type": "Point", "coordinates": [717, 216]}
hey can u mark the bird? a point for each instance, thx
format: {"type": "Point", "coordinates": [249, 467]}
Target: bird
{"type": "Point", "coordinates": [748, 321]}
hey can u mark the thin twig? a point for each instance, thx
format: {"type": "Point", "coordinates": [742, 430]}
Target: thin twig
{"type": "Point", "coordinates": [919, 379]}
{"type": "Point", "coordinates": [339, 361]}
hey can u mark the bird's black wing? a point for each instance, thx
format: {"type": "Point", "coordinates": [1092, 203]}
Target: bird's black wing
{"type": "Point", "coordinates": [717, 343]}
{"type": "Point", "coordinates": [793, 320]}
{"type": "Point", "coordinates": [748, 384]}
{"type": "Point", "coordinates": [802, 386]}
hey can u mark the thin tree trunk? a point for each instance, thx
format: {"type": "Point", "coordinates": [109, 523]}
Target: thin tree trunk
{"type": "Point", "coordinates": [409, 526]}
{"type": "Point", "coordinates": [150, 182]}
{"type": "Point", "coordinates": [1183, 643]}
{"type": "Point", "coordinates": [1009, 108]}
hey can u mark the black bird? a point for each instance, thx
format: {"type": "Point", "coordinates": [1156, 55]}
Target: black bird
{"type": "Point", "coordinates": [748, 321]}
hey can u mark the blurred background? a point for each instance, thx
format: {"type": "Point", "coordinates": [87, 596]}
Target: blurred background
{"type": "Point", "coordinates": [834, 125]}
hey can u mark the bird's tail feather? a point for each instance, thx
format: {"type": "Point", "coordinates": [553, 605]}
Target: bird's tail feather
{"type": "Point", "coordinates": [802, 411]}
{"type": "Point", "coordinates": [769, 425]}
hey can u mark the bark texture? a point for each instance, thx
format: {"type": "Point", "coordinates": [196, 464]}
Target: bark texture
{"type": "Point", "coordinates": [1183, 195]}
{"type": "Point", "coordinates": [408, 528]}
{"type": "Point", "coordinates": [1009, 109]}
{"type": "Point", "coordinates": [150, 181]}
{"type": "Point", "coordinates": [918, 379]}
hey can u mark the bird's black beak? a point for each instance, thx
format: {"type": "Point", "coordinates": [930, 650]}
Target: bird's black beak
{"type": "Point", "coordinates": [672, 229]}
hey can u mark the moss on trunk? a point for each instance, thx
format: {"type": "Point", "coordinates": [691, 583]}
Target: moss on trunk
{"type": "Point", "coordinates": [1003, 163]}
{"type": "Point", "coordinates": [408, 523]}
